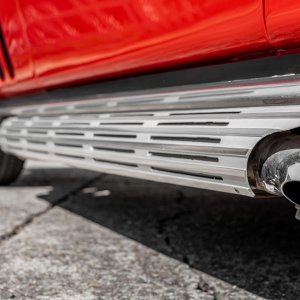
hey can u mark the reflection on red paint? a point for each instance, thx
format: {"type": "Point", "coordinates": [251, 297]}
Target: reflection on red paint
{"type": "Point", "coordinates": [282, 19]}
{"type": "Point", "coordinates": [75, 40]}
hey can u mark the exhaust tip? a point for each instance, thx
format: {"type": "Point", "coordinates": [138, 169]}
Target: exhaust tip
{"type": "Point", "coordinates": [291, 190]}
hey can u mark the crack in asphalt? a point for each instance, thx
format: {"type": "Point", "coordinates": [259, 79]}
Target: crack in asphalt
{"type": "Point", "coordinates": [20, 227]}
{"type": "Point", "coordinates": [221, 290]}
{"type": "Point", "coordinates": [218, 290]}
{"type": "Point", "coordinates": [205, 285]}
{"type": "Point", "coordinates": [162, 224]}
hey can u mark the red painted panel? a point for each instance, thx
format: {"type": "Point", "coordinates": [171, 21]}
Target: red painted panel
{"type": "Point", "coordinates": [75, 40]}
{"type": "Point", "coordinates": [282, 19]}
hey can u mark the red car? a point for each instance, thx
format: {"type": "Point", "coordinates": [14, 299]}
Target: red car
{"type": "Point", "coordinates": [204, 93]}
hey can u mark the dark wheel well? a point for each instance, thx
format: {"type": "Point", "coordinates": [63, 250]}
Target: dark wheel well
{"type": "Point", "coordinates": [10, 168]}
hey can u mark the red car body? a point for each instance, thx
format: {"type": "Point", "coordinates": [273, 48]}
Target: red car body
{"type": "Point", "coordinates": [54, 43]}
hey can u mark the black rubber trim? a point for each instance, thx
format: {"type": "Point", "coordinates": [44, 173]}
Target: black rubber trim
{"type": "Point", "coordinates": [1, 73]}
{"type": "Point", "coordinates": [253, 70]}
{"type": "Point", "coordinates": [6, 54]}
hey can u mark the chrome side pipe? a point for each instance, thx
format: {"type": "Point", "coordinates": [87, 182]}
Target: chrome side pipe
{"type": "Point", "coordinates": [243, 140]}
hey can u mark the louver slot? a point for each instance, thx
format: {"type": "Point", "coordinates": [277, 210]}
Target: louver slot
{"type": "Point", "coordinates": [37, 142]}
{"type": "Point", "coordinates": [68, 145]}
{"type": "Point", "coordinates": [183, 156]}
{"type": "Point", "coordinates": [193, 124]}
{"type": "Point", "coordinates": [114, 150]}
{"type": "Point", "coordinates": [116, 163]}
{"type": "Point", "coordinates": [188, 173]}
{"type": "Point", "coordinates": [37, 131]}
{"type": "Point", "coordinates": [186, 139]}
{"type": "Point", "coordinates": [124, 136]}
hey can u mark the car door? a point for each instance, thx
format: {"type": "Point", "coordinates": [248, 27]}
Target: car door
{"type": "Point", "coordinates": [74, 40]}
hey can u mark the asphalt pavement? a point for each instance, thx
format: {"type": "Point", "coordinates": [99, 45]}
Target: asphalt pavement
{"type": "Point", "coordinates": [74, 234]}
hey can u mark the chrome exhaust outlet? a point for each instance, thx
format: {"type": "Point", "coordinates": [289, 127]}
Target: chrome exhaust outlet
{"type": "Point", "coordinates": [281, 174]}
{"type": "Point", "coordinates": [278, 163]}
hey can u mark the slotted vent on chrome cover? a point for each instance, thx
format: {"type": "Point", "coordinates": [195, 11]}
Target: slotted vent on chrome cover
{"type": "Point", "coordinates": [203, 148]}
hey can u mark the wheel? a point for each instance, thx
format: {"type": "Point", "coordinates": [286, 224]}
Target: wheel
{"type": "Point", "coordinates": [10, 168]}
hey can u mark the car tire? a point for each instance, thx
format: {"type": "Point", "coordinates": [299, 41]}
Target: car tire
{"type": "Point", "coordinates": [10, 168]}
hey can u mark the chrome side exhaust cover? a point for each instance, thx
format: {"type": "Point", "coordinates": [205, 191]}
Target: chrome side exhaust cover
{"type": "Point", "coordinates": [195, 138]}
